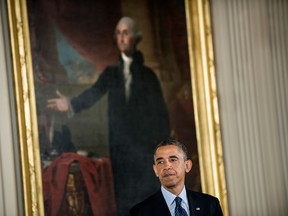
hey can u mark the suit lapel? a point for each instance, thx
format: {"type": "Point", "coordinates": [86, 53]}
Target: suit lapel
{"type": "Point", "coordinates": [160, 205]}
{"type": "Point", "coordinates": [194, 205]}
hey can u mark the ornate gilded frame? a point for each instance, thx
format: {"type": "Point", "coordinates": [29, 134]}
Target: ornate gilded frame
{"type": "Point", "coordinates": [204, 98]}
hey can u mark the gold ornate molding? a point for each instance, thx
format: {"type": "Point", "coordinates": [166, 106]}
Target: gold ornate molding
{"type": "Point", "coordinates": [205, 100]}
{"type": "Point", "coordinates": [26, 109]}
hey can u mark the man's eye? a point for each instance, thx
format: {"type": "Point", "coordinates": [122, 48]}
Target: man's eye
{"type": "Point", "coordinates": [159, 162]}
{"type": "Point", "coordinates": [173, 159]}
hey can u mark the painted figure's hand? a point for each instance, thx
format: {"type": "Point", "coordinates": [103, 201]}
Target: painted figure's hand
{"type": "Point", "coordinates": [59, 104]}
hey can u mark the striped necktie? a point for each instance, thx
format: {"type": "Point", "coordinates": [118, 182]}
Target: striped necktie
{"type": "Point", "coordinates": [179, 210]}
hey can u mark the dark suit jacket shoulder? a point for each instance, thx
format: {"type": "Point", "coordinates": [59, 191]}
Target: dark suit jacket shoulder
{"type": "Point", "coordinates": [199, 204]}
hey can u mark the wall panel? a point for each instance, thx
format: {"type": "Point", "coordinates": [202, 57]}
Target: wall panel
{"type": "Point", "coordinates": [250, 40]}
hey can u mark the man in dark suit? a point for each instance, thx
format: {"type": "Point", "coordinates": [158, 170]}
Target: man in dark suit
{"type": "Point", "coordinates": [170, 166]}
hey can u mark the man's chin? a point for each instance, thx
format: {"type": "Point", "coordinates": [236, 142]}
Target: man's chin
{"type": "Point", "coordinates": [169, 185]}
{"type": "Point", "coordinates": [169, 181]}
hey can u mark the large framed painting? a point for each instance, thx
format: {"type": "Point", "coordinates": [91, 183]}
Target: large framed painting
{"type": "Point", "coordinates": [87, 139]}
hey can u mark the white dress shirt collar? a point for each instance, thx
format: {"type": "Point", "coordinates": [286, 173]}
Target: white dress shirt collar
{"type": "Point", "coordinates": [170, 197]}
{"type": "Point", "coordinates": [126, 58]}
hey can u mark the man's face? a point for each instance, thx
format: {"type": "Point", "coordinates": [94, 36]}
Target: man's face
{"type": "Point", "coordinates": [125, 39]}
{"type": "Point", "coordinates": [170, 166]}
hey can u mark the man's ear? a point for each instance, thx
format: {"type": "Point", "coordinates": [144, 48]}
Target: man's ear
{"type": "Point", "coordinates": [155, 170]}
{"type": "Point", "coordinates": [188, 165]}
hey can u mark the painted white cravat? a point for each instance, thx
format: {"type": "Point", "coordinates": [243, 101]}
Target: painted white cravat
{"type": "Point", "coordinates": [127, 75]}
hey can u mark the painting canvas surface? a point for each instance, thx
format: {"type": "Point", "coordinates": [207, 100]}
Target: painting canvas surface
{"type": "Point", "coordinates": [72, 45]}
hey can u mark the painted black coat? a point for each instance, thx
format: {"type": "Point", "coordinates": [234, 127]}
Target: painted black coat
{"type": "Point", "coordinates": [135, 127]}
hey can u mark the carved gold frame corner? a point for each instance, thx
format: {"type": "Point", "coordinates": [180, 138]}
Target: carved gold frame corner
{"type": "Point", "coordinates": [204, 98]}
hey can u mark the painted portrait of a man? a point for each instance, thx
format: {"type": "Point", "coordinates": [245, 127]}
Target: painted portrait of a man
{"type": "Point", "coordinates": [111, 82]}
